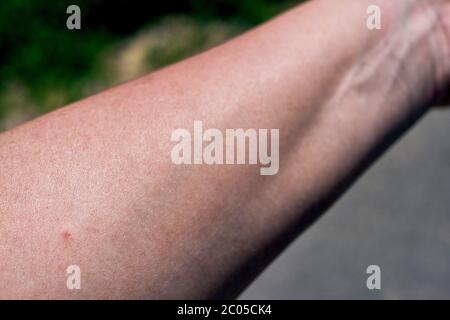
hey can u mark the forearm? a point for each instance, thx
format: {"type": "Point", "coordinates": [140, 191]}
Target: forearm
{"type": "Point", "coordinates": [93, 184]}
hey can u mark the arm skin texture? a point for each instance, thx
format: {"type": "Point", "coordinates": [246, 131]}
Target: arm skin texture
{"type": "Point", "coordinates": [93, 185]}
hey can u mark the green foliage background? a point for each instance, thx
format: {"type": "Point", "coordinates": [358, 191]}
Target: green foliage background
{"type": "Point", "coordinates": [39, 55]}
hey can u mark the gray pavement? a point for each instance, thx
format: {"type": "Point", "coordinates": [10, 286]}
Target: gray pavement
{"type": "Point", "coordinates": [396, 216]}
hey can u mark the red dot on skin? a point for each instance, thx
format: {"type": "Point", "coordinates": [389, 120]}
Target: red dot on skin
{"type": "Point", "coordinates": [66, 235]}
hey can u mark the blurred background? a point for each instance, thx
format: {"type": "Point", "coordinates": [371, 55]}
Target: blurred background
{"type": "Point", "coordinates": [396, 216]}
{"type": "Point", "coordinates": [44, 65]}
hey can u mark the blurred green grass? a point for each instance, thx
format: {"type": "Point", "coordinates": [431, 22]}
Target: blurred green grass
{"type": "Point", "coordinates": [44, 65]}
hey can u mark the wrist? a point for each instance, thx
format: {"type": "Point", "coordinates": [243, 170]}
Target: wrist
{"type": "Point", "coordinates": [422, 33]}
{"type": "Point", "coordinates": [408, 61]}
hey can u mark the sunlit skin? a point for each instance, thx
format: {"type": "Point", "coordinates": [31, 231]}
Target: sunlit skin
{"type": "Point", "coordinates": [93, 185]}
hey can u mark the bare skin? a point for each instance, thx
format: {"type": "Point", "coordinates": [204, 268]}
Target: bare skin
{"type": "Point", "coordinates": [93, 185]}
